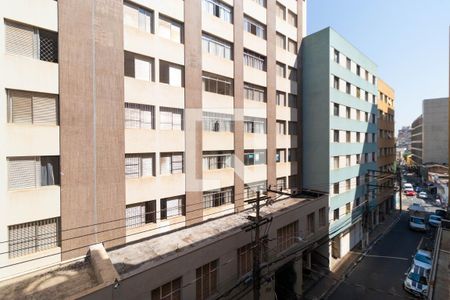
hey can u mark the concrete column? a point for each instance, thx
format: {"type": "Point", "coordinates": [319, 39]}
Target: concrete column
{"type": "Point", "coordinates": [298, 267]}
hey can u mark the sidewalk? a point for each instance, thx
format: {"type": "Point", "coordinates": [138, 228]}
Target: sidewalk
{"type": "Point", "coordinates": [326, 285]}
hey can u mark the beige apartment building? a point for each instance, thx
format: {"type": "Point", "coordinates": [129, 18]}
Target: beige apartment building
{"type": "Point", "coordinates": [124, 121]}
{"type": "Point", "coordinates": [386, 153]}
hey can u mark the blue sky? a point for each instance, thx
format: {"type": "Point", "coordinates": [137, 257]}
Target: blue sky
{"type": "Point", "coordinates": [407, 39]}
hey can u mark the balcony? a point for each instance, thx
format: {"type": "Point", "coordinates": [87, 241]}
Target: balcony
{"type": "Point", "coordinates": [218, 178]}
{"type": "Point", "coordinates": [218, 141]}
{"type": "Point", "coordinates": [31, 140]}
{"type": "Point", "coordinates": [255, 141]}
{"type": "Point", "coordinates": [255, 173]}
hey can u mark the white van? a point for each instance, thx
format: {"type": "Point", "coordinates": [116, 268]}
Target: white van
{"type": "Point", "coordinates": [408, 186]}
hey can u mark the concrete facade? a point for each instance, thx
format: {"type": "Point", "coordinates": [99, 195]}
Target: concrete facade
{"type": "Point", "coordinates": [140, 84]}
{"type": "Point", "coordinates": [435, 131]}
{"type": "Point", "coordinates": [339, 133]}
{"type": "Point", "coordinates": [417, 140]}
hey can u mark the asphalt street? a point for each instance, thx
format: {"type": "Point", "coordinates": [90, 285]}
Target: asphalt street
{"type": "Point", "coordinates": [380, 274]}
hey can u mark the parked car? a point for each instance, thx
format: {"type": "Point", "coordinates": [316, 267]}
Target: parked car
{"type": "Point", "coordinates": [416, 281]}
{"type": "Point", "coordinates": [410, 193]}
{"type": "Point", "coordinates": [434, 220]}
{"type": "Point", "coordinates": [423, 195]}
{"type": "Point", "coordinates": [418, 189]}
{"type": "Point", "coordinates": [441, 213]}
{"type": "Point", "coordinates": [407, 186]}
{"type": "Point", "coordinates": [422, 258]}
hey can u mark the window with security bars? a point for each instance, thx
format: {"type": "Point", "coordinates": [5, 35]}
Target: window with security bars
{"type": "Point", "coordinates": [140, 214]}
{"type": "Point", "coordinates": [25, 40]}
{"type": "Point", "coordinates": [250, 189]}
{"type": "Point", "coordinates": [138, 17]}
{"type": "Point", "coordinates": [173, 207]}
{"type": "Point", "coordinates": [254, 92]}
{"type": "Point", "coordinates": [171, 163]}
{"type": "Point", "coordinates": [218, 197]}
{"type": "Point", "coordinates": [139, 116]}
{"type": "Point", "coordinates": [281, 183]}
{"type": "Point", "coordinates": [206, 280]}
{"type": "Point", "coordinates": [254, 60]}
{"type": "Point", "coordinates": [32, 172]}
{"type": "Point", "coordinates": [32, 108]}
{"type": "Point", "coordinates": [217, 84]}
{"type": "Point", "coordinates": [33, 237]}
{"type": "Point", "coordinates": [169, 291]}
{"type": "Point", "coordinates": [218, 9]}
{"type": "Point", "coordinates": [254, 27]}
{"type": "Point", "coordinates": [217, 160]}
{"type": "Point", "coordinates": [139, 165]}
{"type": "Point", "coordinates": [170, 118]}
{"type": "Point", "coordinates": [254, 125]}
{"type": "Point", "coordinates": [217, 122]}
{"type": "Point", "coordinates": [287, 236]}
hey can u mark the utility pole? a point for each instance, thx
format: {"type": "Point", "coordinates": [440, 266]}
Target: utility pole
{"type": "Point", "coordinates": [257, 252]}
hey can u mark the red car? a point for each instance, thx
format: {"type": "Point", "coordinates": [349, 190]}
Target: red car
{"type": "Point", "coordinates": [410, 193]}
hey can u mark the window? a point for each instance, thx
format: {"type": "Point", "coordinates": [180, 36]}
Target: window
{"type": "Point", "coordinates": [215, 46]}
{"type": "Point", "coordinates": [292, 18]}
{"type": "Point", "coordinates": [280, 155]}
{"type": "Point", "coordinates": [374, 79]}
{"type": "Point", "coordinates": [358, 70]}
{"type": "Point", "coordinates": [366, 157]}
{"type": "Point", "coordinates": [293, 181]}
{"type": "Point", "coordinates": [374, 156]}
{"type": "Point", "coordinates": [218, 197]}
{"type": "Point", "coordinates": [292, 46]}
{"type": "Point", "coordinates": [336, 82]}
{"type": "Point", "coordinates": [140, 214]}
{"type": "Point", "coordinates": [287, 236]}
{"type": "Point", "coordinates": [281, 127]}
{"type": "Point", "coordinates": [292, 100]}
{"type": "Point", "coordinates": [336, 136]}
{"type": "Point", "coordinates": [366, 116]}
{"type": "Point", "coordinates": [281, 183]}
{"type": "Point", "coordinates": [281, 98]}
{"type": "Point", "coordinates": [33, 237]}
{"type": "Point", "coordinates": [348, 184]}
{"type": "Point", "coordinates": [281, 69]}
{"type": "Point", "coordinates": [336, 188]}
{"type": "Point", "coordinates": [24, 40]}
{"type": "Point", "coordinates": [348, 112]}
{"type": "Point", "coordinates": [245, 259]}
{"type": "Point", "coordinates": [281, 11]}
{"type": "Point", "coordinates": [170, 29]}
{"type": "Point", "coordinates": [374, 99]}
{"type": "Point", "coordinates": [347, 136]}
{"type": "Point", "coordinates": [292, 154]}
{"type": "Point", "coordinates": [139, 165]}
{"type": "Point", "coordinates": [310, 223]}
{"type": "Point", "coordinates": [250, 189]}
{"type": "Point", "coordinates": [32, 108]}
{"type": "Point", "coordinates": [367, 75]}
{"type": "Point", "coordinates": [292, 74]}
{"type": "Point", "coordinates": [348, 88]}
{"type": "Point", "coordinates": [366, 96]}
{"type": "Point", "coordinates": [218, 9]}
{"type": "Point", "coordinates": [293, 128]}
{"type": "Point", "coordinates": [32, 172]}
{"type": "Point", "coordinates": [171, 163]}
{"type": "Point", "coordinates": [217, 160]}
{"type": "Point", "coordinates": [349, 64]}
{"type": "Point", "coordinates": [217, 84]}
{"type": "Point", "coordinates": [336, 162]}
{"type": "Point", "coordinates": [358, 137]}
{"type": "Point", "coordinates": [260, 2]}
{"type": "Point", "coordinates": [168, 291]}
{"type": "Point", "coordinates": [170, 118]}
{"type": "Point", "coordinates": [358, 115]}
{"type": "Point", "coordinates": [336, 214]}
{"type": "Point", "coordinates": [322, 217]}
{"type": "Point", "coordinates": [358, 158]}
{"type": "Point", "coordinates": [336, 109]}
{"type": "Point", "coordinates": [254, 125]}
{"type": "Point", "coordinates": [172, 207]}
{"type": "Point", "coordinates": [170, 73]}
{"type": "Point", "coordinates": [139, 67]}
{"type": "Point", "coordinates": [336, 56]}
{"type": "Point", "coordinates": [254, 60]}
{"type": "Point", "coordinates": [358, 92]}
{"type": "Point", "coordinates": [348, 208]}
{"type": "Point", "coordinates": [206, 280]}
{"type": "Point", "coordinates": [138, 17]}
{"type": "Point", "coordinates": [357, 202]}
{"type": "Point", "coordinates": [139, 116]}
{"type": "Point", "coordinates": [280, 41]}
{"type": "Point", "coordinates": [336, 246]}
{"type": "Point", "coordinates": [348, 160]}
{"type": "Point", "coordinates": [254, 27]}
{"type": "Point", "coordinates": [254, 157]}
{"type": "Point", "coordinates": [217, 122]}
{"type": "Point", "coordinates": [254, 92]}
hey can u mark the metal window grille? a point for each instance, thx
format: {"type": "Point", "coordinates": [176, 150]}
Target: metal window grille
{"type": "Point", "coordinates": [216, 47]}
{"type": "Point", "coordinates": [206, 280]}
{"type": "Point", "coordinates": [171, 118]}
{"type": "Point", "coordinates": [214, 161]}
{"type": "Point", "coordinates": [254, 60]}
{"type": "Point", "coordinates": [254, 27]}
{"type": "Point", "coordinates": [255, 93]}
{"type": "Point", "coordinates": [32, 237]}
{"type": "Point", "coordinates": [254, 125]}
{"type": "Point", "coordinates": [139, 165]}
{"type": "Point", "coordinates": [250, 189]}
{"type": "Point", "coordinates": [217, 122]}
{"type": "Point", "coordinates": [281, 183]}
{"type": "Point", "coordinates": [139, 116]}
{"type": "Point", "coordinates": [286, 236]}
{"type": "Point", "coordinates": [218, 197]}
{"type": "Point", "coordinates": [217, 84]}
{"type": "Point", "coordinates": [48, 45]}
{"type": "Point", "coordinates": [168, 291]}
